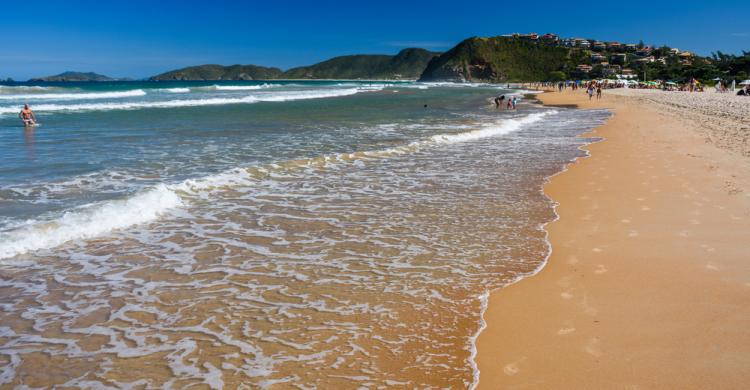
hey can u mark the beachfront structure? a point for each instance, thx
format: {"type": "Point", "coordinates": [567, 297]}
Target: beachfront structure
{"type": "Point", "coordinates": [596, 57]}
{"type": "Point", "coordinates": [584, 68]}
{"type": "Point", "coordinates": [644, 51]}
{"type": "Point", "coordinates": [600, 46]}
{"type": "Point", "coordinates": [569, 42]}
{"type": "Point", "coordinates": [530, 36]}
{"type": "Point", "coordinates": [631, 47]}
{"type": "Point", "coordinates": [551, 38]}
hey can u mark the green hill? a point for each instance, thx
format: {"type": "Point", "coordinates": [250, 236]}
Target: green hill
{"type": "Point", "coordinates": [407, 64]}
{"type": "Point", "coordinates": [75, 77]}
{"type": "Point", "coordinates": [220, 72]}
{"type": "Point", "coordinates": [498, 59]}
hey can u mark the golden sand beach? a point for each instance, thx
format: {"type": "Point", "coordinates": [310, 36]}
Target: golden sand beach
{"type": "Point", "coordinates": [648, 283]}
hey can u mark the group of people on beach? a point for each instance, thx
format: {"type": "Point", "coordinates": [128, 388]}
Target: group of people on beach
{"type": "Point", "coordinates": [594, 86]}
{"type": "Point", "coordinates": [512, 101]}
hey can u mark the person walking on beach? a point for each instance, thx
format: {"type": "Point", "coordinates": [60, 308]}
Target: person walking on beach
{"type": "Point", "coordinates": [598, 92]}
{"type": "Point", "coordinates": [515, 100]}
{"type": "Point", "coordinates": [590, 91]}
{"type": "Point", "coordinates": [27, 116]}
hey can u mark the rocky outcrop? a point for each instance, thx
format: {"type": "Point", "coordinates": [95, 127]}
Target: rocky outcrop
{"type": "Point", "coordinates": [496, 59]}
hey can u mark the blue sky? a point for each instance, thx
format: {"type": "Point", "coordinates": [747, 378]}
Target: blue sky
{"type": "Point", "coordinates": [142, 38]}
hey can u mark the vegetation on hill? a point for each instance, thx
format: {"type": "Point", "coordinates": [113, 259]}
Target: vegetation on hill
{"type": "Point", "coordinates": [74, 77]}
{"type": "Point", "coordinates": [498, 59]}
{"type": "Point", "coordinates": [719, 65]}
{"type": "Point", "coordinates": [527, 58]}
{"type": "Point", "coordinates": [220, 72]}
{"type": "Point", "coordinates": [407, 64]}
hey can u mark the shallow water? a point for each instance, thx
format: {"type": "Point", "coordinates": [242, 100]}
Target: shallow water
{"type": "Point", "coordinates": [307, 234]}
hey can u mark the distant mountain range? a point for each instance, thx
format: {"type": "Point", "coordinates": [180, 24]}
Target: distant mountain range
{"type": "Point", "coordinates": [407, 64]}
{"type": "Point", "coordinates": [508, 58]}
{"type": "Point", "coordinates": [219, 72]}
{"type": "Point", "coordinates": [76, 77]}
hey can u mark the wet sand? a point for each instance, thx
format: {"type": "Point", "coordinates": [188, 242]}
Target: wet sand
{"type": "Point", "coordinates": [648, 284]}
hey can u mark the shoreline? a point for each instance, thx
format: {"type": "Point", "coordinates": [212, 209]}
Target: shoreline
{"type": "Point", "coordinates": [523, 346]}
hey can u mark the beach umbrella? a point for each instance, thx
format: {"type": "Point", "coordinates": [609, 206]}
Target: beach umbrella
{"type": "Point", "coordinates": [670, 83]}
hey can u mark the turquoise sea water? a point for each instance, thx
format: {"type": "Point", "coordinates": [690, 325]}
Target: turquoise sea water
{"type": "Point", "coordinates": [294, 234]}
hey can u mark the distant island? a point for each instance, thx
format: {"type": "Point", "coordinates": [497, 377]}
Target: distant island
{"type": "Point", "coordinates": [407, 64]}
{"type": "Point", "coordinates": [76, 77]}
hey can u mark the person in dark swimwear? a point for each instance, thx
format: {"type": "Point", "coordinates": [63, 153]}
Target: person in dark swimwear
{"type": "Point", "coordinates": [27, 116]}
{"type": "Point", "coordinates": [499, 101]}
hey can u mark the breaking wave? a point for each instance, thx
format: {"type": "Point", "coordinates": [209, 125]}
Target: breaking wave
{"type": "Point", "coordinates": [100, 218]}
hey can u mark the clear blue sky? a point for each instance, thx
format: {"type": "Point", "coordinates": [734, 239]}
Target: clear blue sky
{"type": "Point", "coordinates": [143, 38]}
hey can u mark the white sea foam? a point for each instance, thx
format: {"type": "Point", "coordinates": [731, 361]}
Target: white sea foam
{"type": "Point", "coordinates": [174, 90]}
{"type": "Point", "coordinates": [89, 221]}
{"type": "Point", "coordinates": [23, 88]}
{"type": "Point", "coordinates": [75, 96]}
{"type": "Point", "coordinates": [240, 87]}
{"type": "Point", "coordinates": [100, 218]}
{"type": "Point", "coordinates": [504, 127]}
{"type": "Point", "coordinates": [265, 97]}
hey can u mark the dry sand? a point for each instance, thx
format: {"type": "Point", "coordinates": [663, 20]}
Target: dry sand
{"type": "Point", "coordinates": [648, 284]}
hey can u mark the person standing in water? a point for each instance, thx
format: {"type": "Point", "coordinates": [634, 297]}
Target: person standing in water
{"type": "Point", "coordinates": [499, 101]}
{"type": "Point", "coordinates": [27, 116]}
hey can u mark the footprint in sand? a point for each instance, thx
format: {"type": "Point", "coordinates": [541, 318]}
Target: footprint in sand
{"type": "Point", "coordinates": [593, 347]}
{"type": "Point", "coordinates": [645, 208]}
{"type": "Point", "coordinates": [684, 233]}
{"type": "Point", "coordinates": [633, 233]}
{"type": "Point", "coordinates": [625, 220]}
{"type": "Point", "coordinates": [564, 331]}
{"type": "Point", "coordinates": [597, 250]}
{"type": "Point", "coordinates": [566, 295]}
{"type": "Point", "coordinates": [511, 369]}
{"type": "Point", "coordinates": [572, 260]}
{"type": "Point", "coordinates": [708, 248]}
{"type": "Point", "coordinates": [600, 269]}
{"type": "Point", "coordinates": [711, 267]}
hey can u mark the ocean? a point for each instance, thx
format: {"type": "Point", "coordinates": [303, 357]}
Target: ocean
{"type": "Point", "coordinates": [289, 234]}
